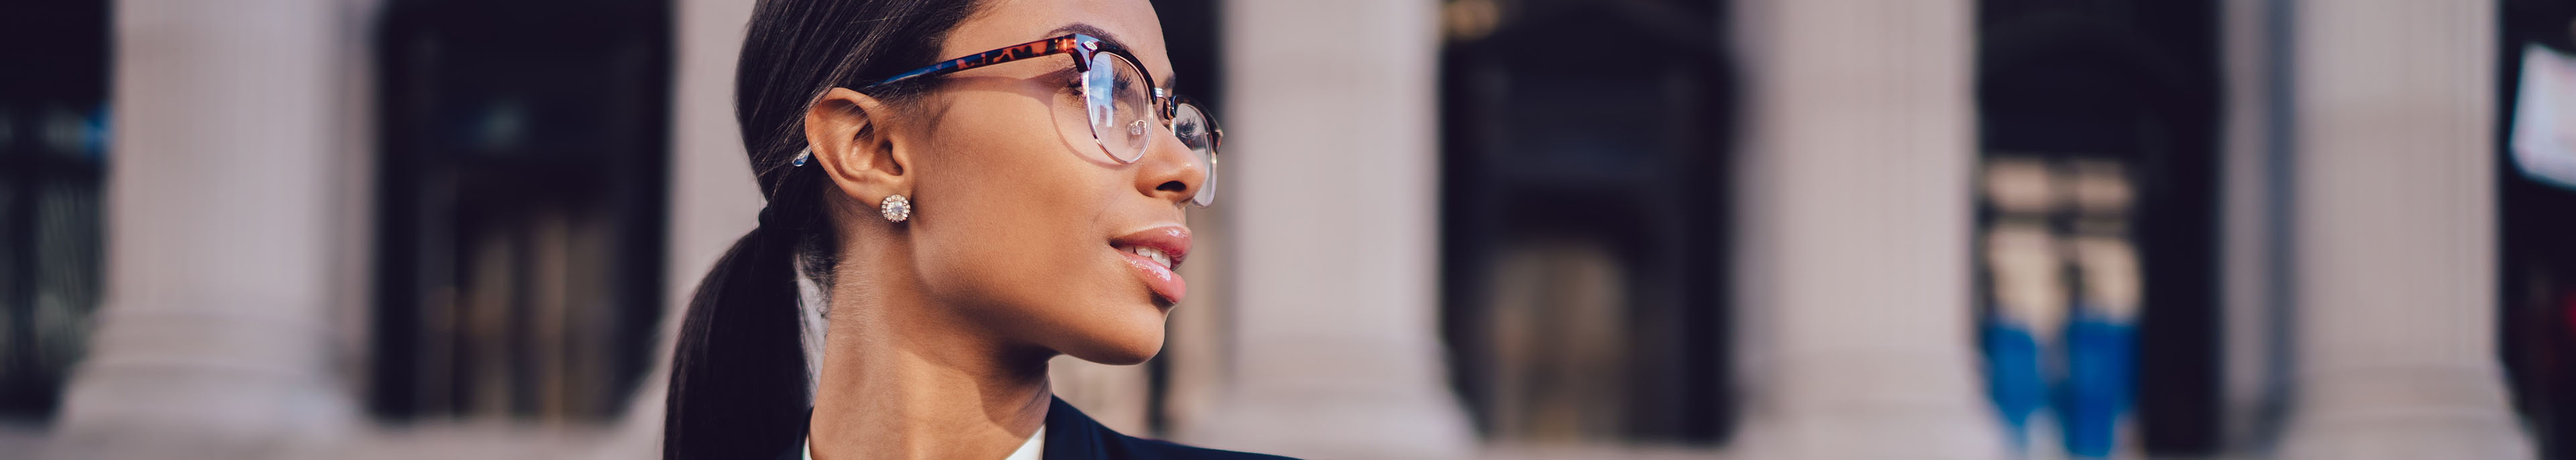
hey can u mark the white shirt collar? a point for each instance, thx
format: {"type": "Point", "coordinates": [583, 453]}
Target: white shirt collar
{"type": "Point", "coordinates": [1034, 449]}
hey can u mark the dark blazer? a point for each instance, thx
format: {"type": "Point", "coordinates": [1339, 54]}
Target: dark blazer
{"type": "Point", "coordinates": [1073, 436]}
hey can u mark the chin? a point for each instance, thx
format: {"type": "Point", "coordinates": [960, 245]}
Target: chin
{"type": "Point", "coordinates": [1119, 349]}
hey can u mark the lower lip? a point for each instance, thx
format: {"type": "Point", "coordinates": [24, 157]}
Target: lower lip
{"type": "Point", "coordinates": [1164, 283]}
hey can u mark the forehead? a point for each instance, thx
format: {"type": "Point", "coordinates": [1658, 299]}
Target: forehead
{"type": "Point", "coordinates": [1000, 23]}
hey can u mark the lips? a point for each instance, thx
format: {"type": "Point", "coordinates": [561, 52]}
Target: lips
{"type": "Point", "coordinates": [1155, 253]}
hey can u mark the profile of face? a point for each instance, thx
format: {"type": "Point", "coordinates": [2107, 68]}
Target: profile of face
{"type": "Point", "coordinates": [1024, 228]}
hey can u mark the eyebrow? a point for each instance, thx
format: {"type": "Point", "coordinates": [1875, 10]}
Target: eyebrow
{"type": "Point", "coordinates": [1112, 39]}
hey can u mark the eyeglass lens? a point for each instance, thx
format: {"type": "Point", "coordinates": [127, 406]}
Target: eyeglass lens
{"type": "Point", "coordinates": [1120, 108]}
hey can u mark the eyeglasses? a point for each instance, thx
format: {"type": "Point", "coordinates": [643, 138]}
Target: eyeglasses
{"type": "Point", "coordinates": [1117, 99]}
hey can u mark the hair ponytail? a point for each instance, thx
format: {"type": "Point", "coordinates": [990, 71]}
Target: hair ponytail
{"type": "Point", "coordinates": [739, 382]}
{"type": "Point", "coordinates": [739, 373]}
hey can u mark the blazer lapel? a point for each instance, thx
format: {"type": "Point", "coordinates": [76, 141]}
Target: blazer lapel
{"type": "Point", "coordinates": [1071, 435]}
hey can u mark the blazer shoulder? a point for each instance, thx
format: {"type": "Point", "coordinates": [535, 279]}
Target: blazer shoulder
{"type": "Point", "coordinates": [1168, 450]}
{"type": "Point", "coordinates": [1074, 436]}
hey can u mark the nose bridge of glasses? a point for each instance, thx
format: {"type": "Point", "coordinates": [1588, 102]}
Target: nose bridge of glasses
{"type": "Point", "coordinates": [1164, 105]}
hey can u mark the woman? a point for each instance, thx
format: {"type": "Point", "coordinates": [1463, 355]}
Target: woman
{"type": "Point", "coordinates": [965, 189]}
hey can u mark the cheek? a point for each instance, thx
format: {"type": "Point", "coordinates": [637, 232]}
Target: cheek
{"type": "Point", "coordinates": [1002, 232]}
{"type": "Point", "coordinates": [1009, 223]}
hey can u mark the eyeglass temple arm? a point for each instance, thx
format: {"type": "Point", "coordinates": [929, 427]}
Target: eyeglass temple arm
{"type": "Point", "coordinates": [1041, 48]}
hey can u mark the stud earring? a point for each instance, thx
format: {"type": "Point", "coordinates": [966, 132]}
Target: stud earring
{"type": "Point", "coordinates": [895, 208]}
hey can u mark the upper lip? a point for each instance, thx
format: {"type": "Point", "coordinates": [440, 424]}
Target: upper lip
{"type": "Point", "coordinates": [1172, 239]}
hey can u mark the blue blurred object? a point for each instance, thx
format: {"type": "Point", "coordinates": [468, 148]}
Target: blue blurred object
{"type": "Point", "coordinates": [2099, 367]}
{"type": "Point", "coordinates": [2013, 372]}
{"type": "Point", "coordinates": [2099, 357]}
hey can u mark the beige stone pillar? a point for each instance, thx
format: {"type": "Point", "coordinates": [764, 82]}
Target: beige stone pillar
{"type": "Point", "coordinates": [2394, 223]}
{"type": "Point", "coordinates": [1331, 181]}
{"type": "Point", "coordinates": [2251, 221]}
{"type": "Point", "coordinates": [1852, 274]}
{"type": "Point", "coordinates": [235, 196]}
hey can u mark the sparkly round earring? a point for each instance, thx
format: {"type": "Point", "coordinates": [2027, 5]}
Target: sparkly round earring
{"type": "Point", "coordinates": [895, 208]}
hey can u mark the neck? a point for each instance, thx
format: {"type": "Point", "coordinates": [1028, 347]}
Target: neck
{"type": "Point", "coordinates": [902, 378]}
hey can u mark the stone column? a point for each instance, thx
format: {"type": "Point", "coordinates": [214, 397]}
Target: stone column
{"type": "Point", "coordinates": [2253, 218]}
{"type": "Point", "coordinates": [2394, 221]}
{"type": "Point", "coordinates": [1852, 273]}
{"type": "Point", "coordinates": [236, 182]}
{"type": "Point", "coordinates": [1332, 183]}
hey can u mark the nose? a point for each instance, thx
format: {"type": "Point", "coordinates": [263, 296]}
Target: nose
{"type": "Point", "coordinates": [1169, 170]}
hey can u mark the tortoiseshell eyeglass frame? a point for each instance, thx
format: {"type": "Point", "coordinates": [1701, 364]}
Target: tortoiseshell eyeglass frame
{"type": "Point", "coordinates": [1082, 47]}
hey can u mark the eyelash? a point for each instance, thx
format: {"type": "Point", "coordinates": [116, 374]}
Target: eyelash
{"type": "Point", "coordinates": [1073, 83]}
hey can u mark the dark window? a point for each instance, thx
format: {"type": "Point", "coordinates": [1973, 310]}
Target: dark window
{"type": "Point", "coordinates": [1582, 219]}
{"type": "Point", "coordinates": [2115, 92]}
{"type": "Point", "coordinates": [2538, 320]}
{"type": "Point", "coordinates": [53, 156]}
{"type": "Point", "coordinates": [521, 209]}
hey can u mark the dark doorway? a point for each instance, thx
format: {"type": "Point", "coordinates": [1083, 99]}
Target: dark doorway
{"type": "Point", "coordinates": [521, 209]}
{"type": "Point", "coordinates": [53, 162]}
{"type": "Point", "coordinates": [2123, 91]}
{"type": "Point", "coordinates": [1583, 219]}
{"type": "Point", "coordinates": [2537, 213]}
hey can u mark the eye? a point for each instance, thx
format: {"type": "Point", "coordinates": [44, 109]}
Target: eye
{"type": "Point", "coordinates": [1127, 85]}
{"type": "Point", "coordinates": [1072, 89]}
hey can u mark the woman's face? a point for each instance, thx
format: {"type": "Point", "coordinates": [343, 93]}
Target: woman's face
{"type": "Point", "coordinates": [1021, 221]}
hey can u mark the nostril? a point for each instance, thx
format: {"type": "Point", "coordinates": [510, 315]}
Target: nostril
{"type": "Point", "coordinates": [1173, 186]}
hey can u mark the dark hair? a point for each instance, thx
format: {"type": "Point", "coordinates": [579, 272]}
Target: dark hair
{"type": "Point", "coordinates": [739, 383]}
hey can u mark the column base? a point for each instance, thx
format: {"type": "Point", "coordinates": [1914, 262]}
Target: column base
{"type": "Point", "coordinates": [2449, 412]}
{"type": "Point", "coordinates": [1903, 405]}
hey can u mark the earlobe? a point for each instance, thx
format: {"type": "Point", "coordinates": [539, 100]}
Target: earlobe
{"type": "Point", "coordinates": [852, 142]}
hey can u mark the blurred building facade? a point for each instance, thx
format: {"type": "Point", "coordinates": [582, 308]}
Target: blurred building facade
{"type": "Point", "coordinates": [1456, 229]}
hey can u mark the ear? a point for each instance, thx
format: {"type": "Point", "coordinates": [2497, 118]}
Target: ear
{"type": "Point", "coordinates": [853, 143]}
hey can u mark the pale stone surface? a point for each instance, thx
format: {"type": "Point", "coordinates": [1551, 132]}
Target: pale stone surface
{"type": "Point", "coordinates": [1853, 189]}
{"type": "Point", "coordinates": [1331, 170]}
{"type": "Point", "coordinates": [238, 126]}
{"type": "Point", "coordinates": [2394, 214]}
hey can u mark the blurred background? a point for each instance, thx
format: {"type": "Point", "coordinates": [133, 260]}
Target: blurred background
{"type": "Point", "coordinates": [1741, 229]}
